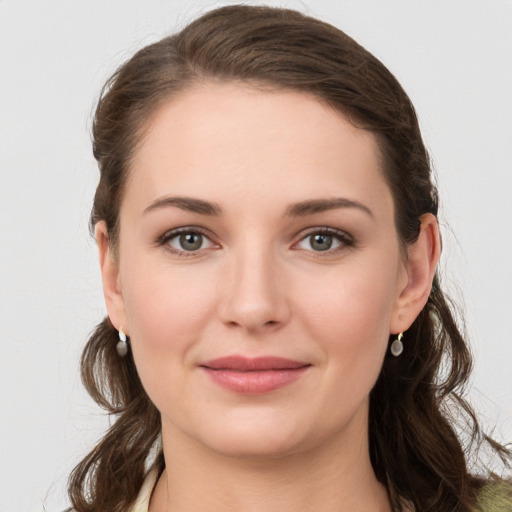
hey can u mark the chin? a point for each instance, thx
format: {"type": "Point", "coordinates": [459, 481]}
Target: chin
{"type": "Point", "coordinates": [254, 447]}
{"type": "Point", "coordinates": [254, 438]}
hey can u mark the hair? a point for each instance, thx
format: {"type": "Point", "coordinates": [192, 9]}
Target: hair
{"type": "Point", "coordinates": [415, 448]}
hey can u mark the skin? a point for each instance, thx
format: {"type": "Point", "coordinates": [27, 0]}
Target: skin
{"type": "Point", "coordinates": [259, 286]}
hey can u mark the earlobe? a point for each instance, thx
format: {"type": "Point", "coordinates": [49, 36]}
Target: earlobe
{"type": "Point", "coordinates": [110, 277]}
{"type": "Point", "coordinates": [422, 259]}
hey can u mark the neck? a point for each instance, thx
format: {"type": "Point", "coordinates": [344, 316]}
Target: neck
{"type": "Point", "coordinates": [198, 479]}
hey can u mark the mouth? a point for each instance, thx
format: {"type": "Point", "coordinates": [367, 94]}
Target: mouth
{"type": "Point", "coordinates": [254, 375]}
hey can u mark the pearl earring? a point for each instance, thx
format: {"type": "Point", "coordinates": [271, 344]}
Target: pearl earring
{"type": "Point", "coordinates": [122, 346]}
{"type": "Point", "coordinates": [397, 347]}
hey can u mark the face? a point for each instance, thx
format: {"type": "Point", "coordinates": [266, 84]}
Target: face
{"type": "Point", "coordinates": [259, 273]}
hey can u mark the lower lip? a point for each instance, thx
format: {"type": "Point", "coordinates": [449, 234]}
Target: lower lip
{"type": "Point", "coordinates": [255, 382]}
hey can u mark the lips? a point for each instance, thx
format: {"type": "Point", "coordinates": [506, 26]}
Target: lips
{"type": "Point", "coordinates": [254, 375]}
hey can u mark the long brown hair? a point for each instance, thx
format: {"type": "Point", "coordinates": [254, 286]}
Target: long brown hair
{"type": "Point", "coordinates": [414, 446]}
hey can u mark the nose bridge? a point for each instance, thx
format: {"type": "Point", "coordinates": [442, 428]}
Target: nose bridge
{"type": "Point", "coordinates": [253, 297]}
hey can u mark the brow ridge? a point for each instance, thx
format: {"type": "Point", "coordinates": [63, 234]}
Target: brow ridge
{"type": "Point", "coordinates": [313, 206]}
{"type": "Point", "coordinates": [185, 203]}
{"type": "Point", "coordinates": [303, 208]}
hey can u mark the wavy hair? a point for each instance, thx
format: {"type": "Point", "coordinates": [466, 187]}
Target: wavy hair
{"type": "Point", "coordinates": [414, 446]}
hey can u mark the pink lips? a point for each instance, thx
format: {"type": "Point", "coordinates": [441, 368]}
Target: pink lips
{"type": "Point", "coordinates": [254, 375]}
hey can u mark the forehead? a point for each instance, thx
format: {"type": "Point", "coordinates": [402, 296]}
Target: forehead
{"type": "Point", "coordinates": [222, 141]}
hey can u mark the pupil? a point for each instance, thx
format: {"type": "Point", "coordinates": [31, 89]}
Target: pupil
{"type": "Point", "coordinates": [322, 242]}
{"type": "Point", "coordinates": [191, 241]}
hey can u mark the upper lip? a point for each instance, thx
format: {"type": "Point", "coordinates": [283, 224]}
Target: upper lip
{"type": "Point", "coordinates": [247, 364]}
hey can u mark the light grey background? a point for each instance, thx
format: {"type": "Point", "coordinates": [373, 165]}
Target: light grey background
{"type": "Point", "coordinates": [453, 57]}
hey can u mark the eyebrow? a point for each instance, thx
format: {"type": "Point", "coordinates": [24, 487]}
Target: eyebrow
{"type": "Point", "coordinates": [185, 203]}
{"type": "Point", "coordinates": [322, 205]}
{"type": "Point", "coordinates": [300, 209]}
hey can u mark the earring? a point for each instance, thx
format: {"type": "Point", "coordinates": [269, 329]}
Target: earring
{"type": "Point", "coordinates": [397, 347]}
{"type": "Point", "coordinates": [122, 346]}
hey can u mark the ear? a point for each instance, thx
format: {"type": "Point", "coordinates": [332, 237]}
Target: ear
{"type": "Point", "coordinates": [110, 277]}
{"type": "Point", "coordinates": [421, 264]}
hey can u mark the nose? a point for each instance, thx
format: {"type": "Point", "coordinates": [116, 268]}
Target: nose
{"type": "Point", "coordinates": [253, 293]}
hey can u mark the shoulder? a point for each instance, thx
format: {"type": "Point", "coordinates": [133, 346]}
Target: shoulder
{"type": "Point", "coordinates": [495, 497]}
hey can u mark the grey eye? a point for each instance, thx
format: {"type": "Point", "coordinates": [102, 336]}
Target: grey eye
{"type": "Point", "coordinates": [321, 242]}
{"type": "Point", "coordinates": [189, 241]}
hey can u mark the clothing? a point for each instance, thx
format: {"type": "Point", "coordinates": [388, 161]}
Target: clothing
{"type": "Point", "coordinates": [142, 502]}
{"type": "Point", "coordinates": [495, 497]}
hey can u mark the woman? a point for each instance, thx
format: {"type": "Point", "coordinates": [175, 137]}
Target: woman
{"type": "Point", "coordinates": [277, 334]}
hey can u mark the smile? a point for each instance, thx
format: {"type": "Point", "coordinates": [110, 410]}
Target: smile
{"type": "Point", "coordinates": [252, 376]}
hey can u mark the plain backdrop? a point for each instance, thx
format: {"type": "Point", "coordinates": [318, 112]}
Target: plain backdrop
{"type": "Point", "coordinates": [453, 57]}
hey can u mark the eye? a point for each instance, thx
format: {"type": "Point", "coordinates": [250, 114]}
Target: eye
{"type": "Point", "coordinates": [325, 240]}
{"type": "Point", "coordinates": [188, 240]}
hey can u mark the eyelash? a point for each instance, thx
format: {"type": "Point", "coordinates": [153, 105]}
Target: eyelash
{"type": "Point", "coordinates": [344, 239]}
{"type": "Point", "coordinates": [166, 238]}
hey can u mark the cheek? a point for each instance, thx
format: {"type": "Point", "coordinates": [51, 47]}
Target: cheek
{"type": "Point", "coordinates": [349, 323]}
{"type": "Point", "coordinates": [349, 316]}
{"type": "Point", "coordinates": [166, 308]}
{"type": "Point", "coordinates": [163, 297]}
